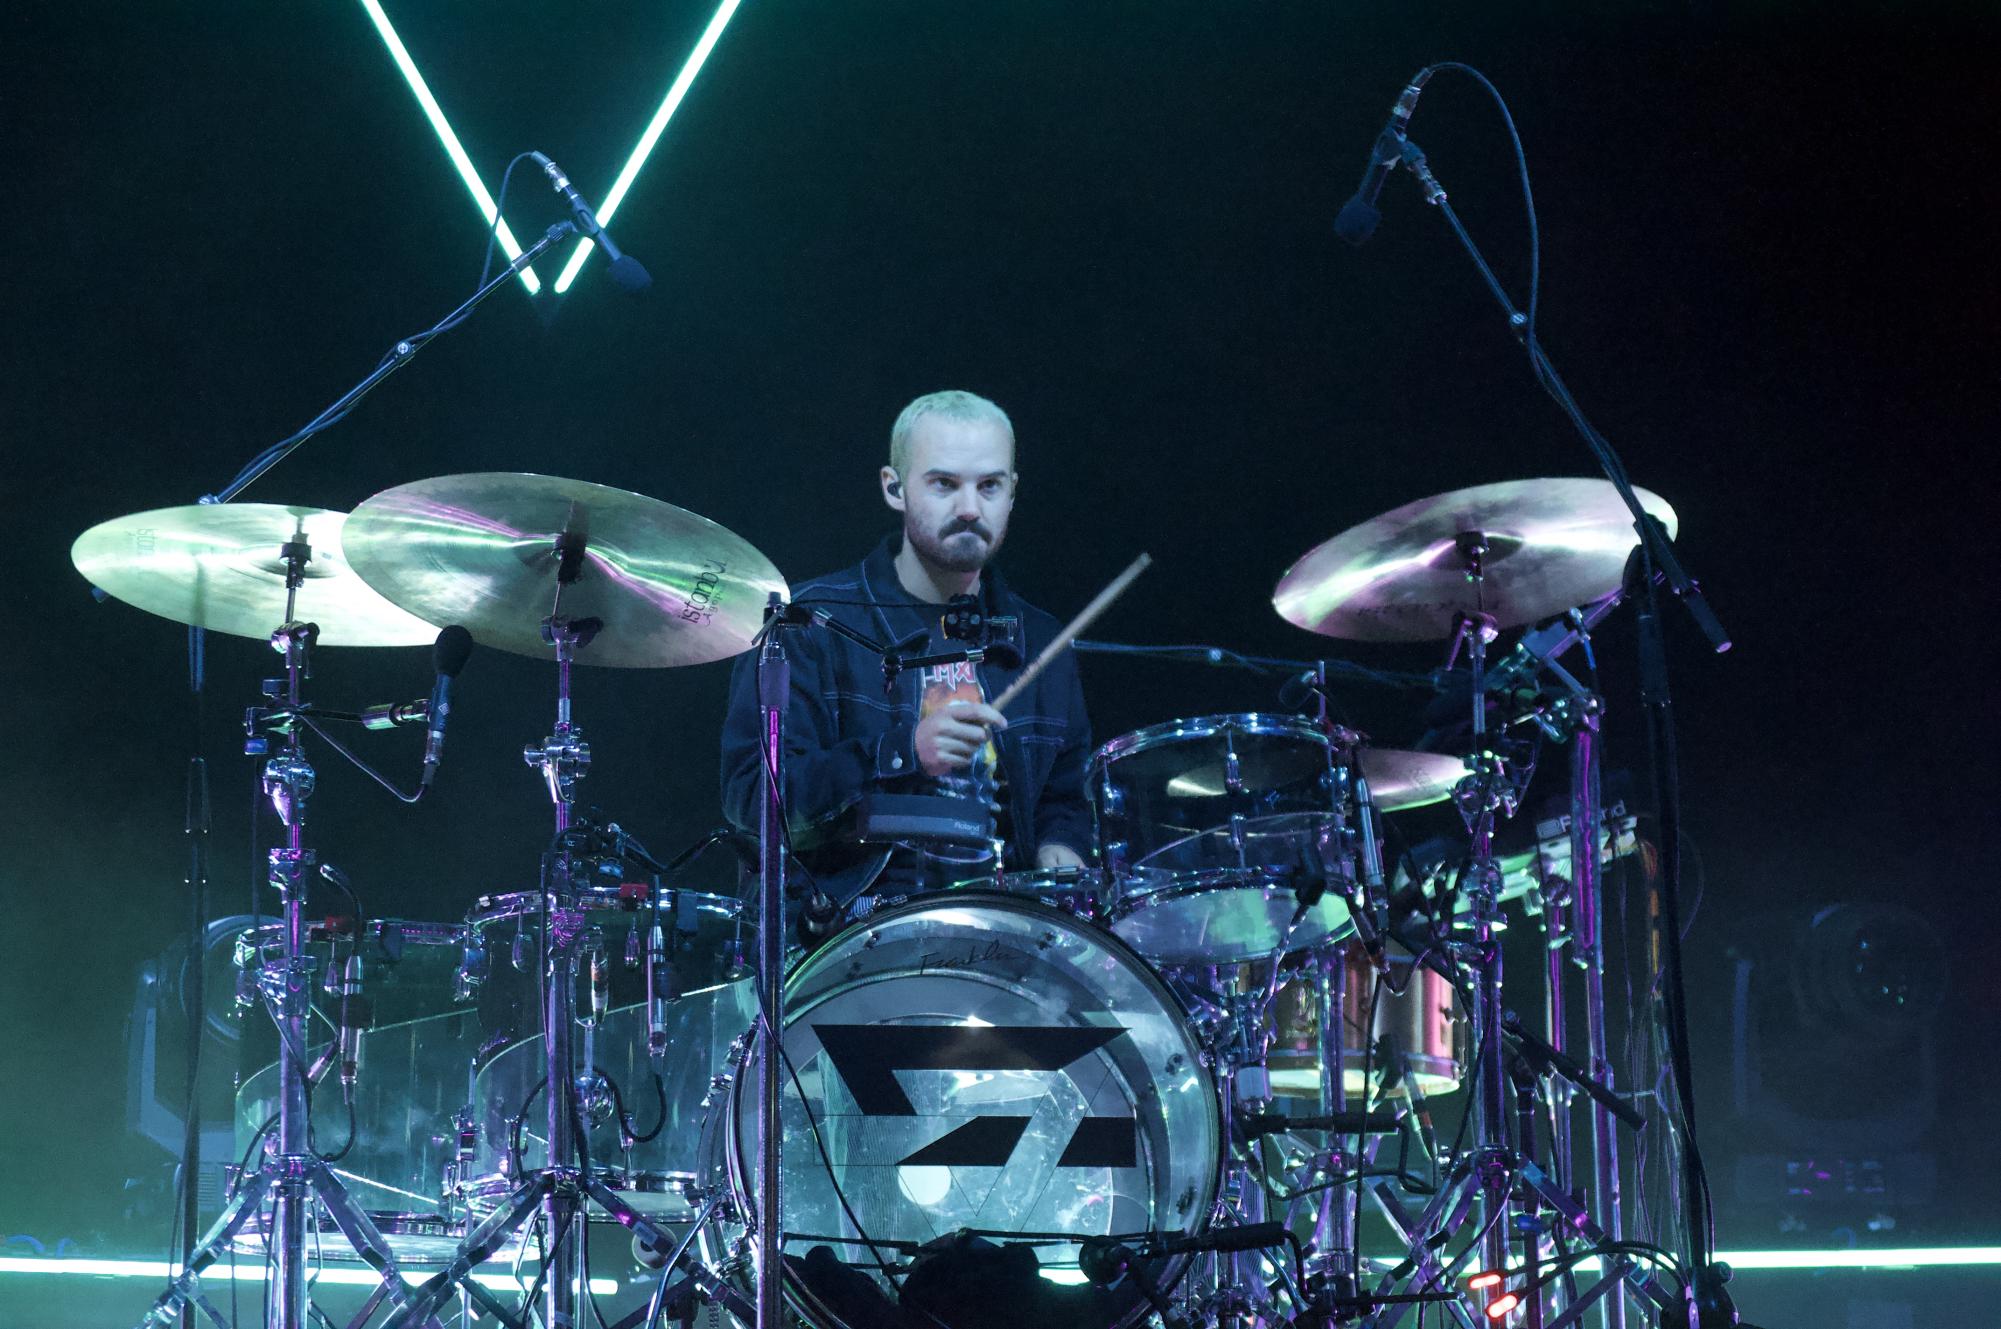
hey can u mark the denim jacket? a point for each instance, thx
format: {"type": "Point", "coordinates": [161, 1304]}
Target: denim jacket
{"type": "Point", "coordinates": [845, 735]}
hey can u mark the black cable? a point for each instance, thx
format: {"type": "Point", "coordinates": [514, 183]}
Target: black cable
{"type": "Point", "coordinates": [309, 722]}
{"type": "Point", "coordinates": [1361, 1137]}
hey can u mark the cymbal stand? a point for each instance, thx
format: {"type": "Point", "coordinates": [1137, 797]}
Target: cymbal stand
{"type": "Point", "coordinates": [292, 1175]}
{"type": "Point", "coordinates": [1486, 1173]}
{"type": "Point", "coordinates": [560, 1189]}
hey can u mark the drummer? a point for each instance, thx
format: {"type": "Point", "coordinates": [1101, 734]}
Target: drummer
{"type": "Point", "coordinates": [952, 482]}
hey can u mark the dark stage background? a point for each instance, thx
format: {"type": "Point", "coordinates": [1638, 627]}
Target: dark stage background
{"type": "Point", "coordinates": [1768, 275]}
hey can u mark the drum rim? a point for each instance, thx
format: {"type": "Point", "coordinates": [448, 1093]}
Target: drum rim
{"type": "Point", "coordinates": [500, 907]}
{"type": "Point", "coordinates": [723, 1115]}
{"type": "Point", "coordinates": [1209, 881]}
{"type": "Point", "coordinates": [1206, 726]}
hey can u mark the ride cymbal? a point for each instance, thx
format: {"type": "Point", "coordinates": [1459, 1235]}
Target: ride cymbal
{"type": "Point", "coordinates": [485, 550]}
{"type": "Point", "coordinates": [1543, 546]}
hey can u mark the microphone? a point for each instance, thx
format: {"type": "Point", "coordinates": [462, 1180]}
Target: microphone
{"type": "Point", "coordinates": [625, 269]}
{"type": "Point", "coordinates": [1358, 217]}
{"type": "Point", "coordinates": [390, 714]}
{"type": "Point", "coordinates": [662, 986]}
{"type": "Point", "coordinates": [448, 656]}
{"type": "Point", "coordinates": [817, 916]}
{"type": "Point", "coordinates": [1294, 692]}
{"type": "Point", "coordinates": [355, 1016]}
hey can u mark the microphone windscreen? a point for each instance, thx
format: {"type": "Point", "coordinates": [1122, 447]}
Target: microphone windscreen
{"type": "Point", "coordinates": [630, 274]}
{"type": "Point", "coordinates": [1356, 221]}
{"type": "Point", "coordinates": [449, 653]}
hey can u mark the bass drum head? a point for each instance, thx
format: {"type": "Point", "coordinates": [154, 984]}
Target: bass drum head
{"type": "Point", "coordinates": [982, 1072]}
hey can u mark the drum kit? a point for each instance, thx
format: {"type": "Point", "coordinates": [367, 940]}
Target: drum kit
{"type": "Point", "coordinates": [1154, 1088]}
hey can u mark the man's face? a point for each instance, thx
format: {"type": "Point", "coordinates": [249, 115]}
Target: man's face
{"type": "Point", "coordinates": [956, 500]}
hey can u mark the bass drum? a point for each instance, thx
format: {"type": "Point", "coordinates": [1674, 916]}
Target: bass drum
{"type": "Point", "coordinates": [980, 1076]}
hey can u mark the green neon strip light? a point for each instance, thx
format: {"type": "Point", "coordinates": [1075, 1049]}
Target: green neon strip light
{"type": "Point", "coordinates": [252, 1271]}
{"type": "Point", "coordinates": [453, 148]}
{"type": "Point", "coordinates": [1890, 1257]}
{"type": "Point", "coordinates": [644, 149]}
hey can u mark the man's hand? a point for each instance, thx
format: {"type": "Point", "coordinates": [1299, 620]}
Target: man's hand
{"type": "Point", "coordinates": [1057, 856]}
{"type": "Point", "coordinates": [948, 737]}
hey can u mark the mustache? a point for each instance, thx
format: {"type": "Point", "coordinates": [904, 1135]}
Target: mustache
{"type": "Point", "coordinates": [960, 527]}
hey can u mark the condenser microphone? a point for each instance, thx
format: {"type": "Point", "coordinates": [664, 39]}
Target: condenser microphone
{"type": "Point", "coordinates": [355, 1016]}
{"type": "Point", "coordinates": [625, 269]}
{"type": "Point", "coordinates": [448, 656]}
{"type": "Point", "coordinates": [1358, 217]}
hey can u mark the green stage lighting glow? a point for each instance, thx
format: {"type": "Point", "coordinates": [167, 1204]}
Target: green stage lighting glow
{"type": "Point", "coordinates": [251, 1271]}
{"type": "Point", "coordinates": [453, 148]}
{"type": "Point", "coordinates": [1889, 1257]}
{"type": "Point", "coordinates": [644, 148]}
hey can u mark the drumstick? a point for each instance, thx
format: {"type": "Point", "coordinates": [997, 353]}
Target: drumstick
{"type": "Point", "coordinates": [1075, 626]}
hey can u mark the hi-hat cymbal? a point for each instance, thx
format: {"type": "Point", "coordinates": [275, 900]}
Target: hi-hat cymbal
{"type": "Point", "coordinates": [1550, 545]}
{"type": "Point", "coordinates": [1400, 779]}
{"type": "Point", "coordinates": [219, 566]}
{"type": "Point", "coordinates": [670, 588]}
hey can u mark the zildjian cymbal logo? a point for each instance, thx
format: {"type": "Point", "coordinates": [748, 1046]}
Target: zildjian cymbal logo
{"type": "Point", "coordinates": [868, 1056]}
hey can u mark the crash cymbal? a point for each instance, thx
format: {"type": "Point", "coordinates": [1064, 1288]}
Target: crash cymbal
{"type": "Point", "coordinates": [1400, 780]}
{"type": "Point", "coordinates": [219, 566]}
{"type": "Point", "coordinates": [670, 588]}
{"type": "Point", "coordinates": [1551, 545]}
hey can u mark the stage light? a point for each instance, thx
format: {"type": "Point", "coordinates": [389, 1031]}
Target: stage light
{"type": "Point", "coordinates": [1888, 1257]}
{"type": "Point", "coordinates": [1498, 1308]}
{"type": "Point", "coordinates": [488, 209]}
{"type": "Point", "coordinates": [1485, 1278]}
{"type": "Point", "coordinates": [644, 148]}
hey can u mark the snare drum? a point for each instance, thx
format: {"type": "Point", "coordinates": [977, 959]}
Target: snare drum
{"type": "Point", "coordinates": [715, 1002]}
{"type": "Point", "coordinates": [975, 1061]}
{"type": "Point", "coordinates": [1422, 1024]}
{"type": "Point", "coordinates": [1214, 831]}
{"type": "Point", "coordinates": [410, 1083]}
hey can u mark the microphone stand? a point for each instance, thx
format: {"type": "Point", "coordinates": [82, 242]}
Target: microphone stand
{"type": "Point", "coordinates": [1654, 560]}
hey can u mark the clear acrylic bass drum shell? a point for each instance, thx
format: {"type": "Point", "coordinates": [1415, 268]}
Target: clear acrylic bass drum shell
{"type": "Point", "coordinates": [978, 1062]}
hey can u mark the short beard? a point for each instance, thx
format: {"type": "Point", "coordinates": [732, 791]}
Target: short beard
{"type": "Point", "coordinates": [938, 553]}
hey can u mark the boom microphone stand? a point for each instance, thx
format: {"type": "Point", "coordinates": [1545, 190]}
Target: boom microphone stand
{"type": "Point", "coordinates": [1654, 559]}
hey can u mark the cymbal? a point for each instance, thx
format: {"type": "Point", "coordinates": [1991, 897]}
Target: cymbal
{"type": "Point", "coordinates": [1399, 779]}
{"type": "Point", "coordinates": [670, 588]}
{"type": "Point", "coordinates": [1551, 545]}
{"type": "Point", "coordinates": [219, 566]}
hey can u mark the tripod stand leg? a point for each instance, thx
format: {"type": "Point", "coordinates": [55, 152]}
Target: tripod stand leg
{"type": "Point", "coordinates": [362, 1234]}
{"type": "Point", "coordinates": [477, 1248]}
{"type": "Point", "coordinates": [1625, 1272]}
{"type": "Point", "coordinates": [185, 1289]}
{"type": "Point", "coordinates": [710, 1286]}
{"type": "Point", "coordinates": [1413, 1232]}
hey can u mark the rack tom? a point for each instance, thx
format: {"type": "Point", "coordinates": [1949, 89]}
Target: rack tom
{"type": "Point", "coordinates": [1225, 838]}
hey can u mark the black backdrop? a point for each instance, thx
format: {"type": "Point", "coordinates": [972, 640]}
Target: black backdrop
{"type": "Point", "coordinates": [1768, 275]}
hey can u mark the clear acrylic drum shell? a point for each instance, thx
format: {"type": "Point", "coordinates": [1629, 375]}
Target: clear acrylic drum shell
{"type": "Point", "coordinates": [705, 934]}
{"type": "Point", "coordinates": [1203, 875]}
{"type": "Point", "coordinates": [968, 961]}
{"type": "Point", "coordinates": [410, 1085]}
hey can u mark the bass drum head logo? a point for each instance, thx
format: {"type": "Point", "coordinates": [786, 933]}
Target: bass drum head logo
{"type": "Point", "coordinates": [989, 1064]}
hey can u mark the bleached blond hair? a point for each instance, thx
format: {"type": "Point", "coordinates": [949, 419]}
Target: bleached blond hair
{"type": "Point", "coordinates": [952, 405]}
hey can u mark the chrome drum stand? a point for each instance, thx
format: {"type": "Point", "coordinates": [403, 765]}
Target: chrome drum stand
{"type": "Point", "coordinates": [292, 1175]}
